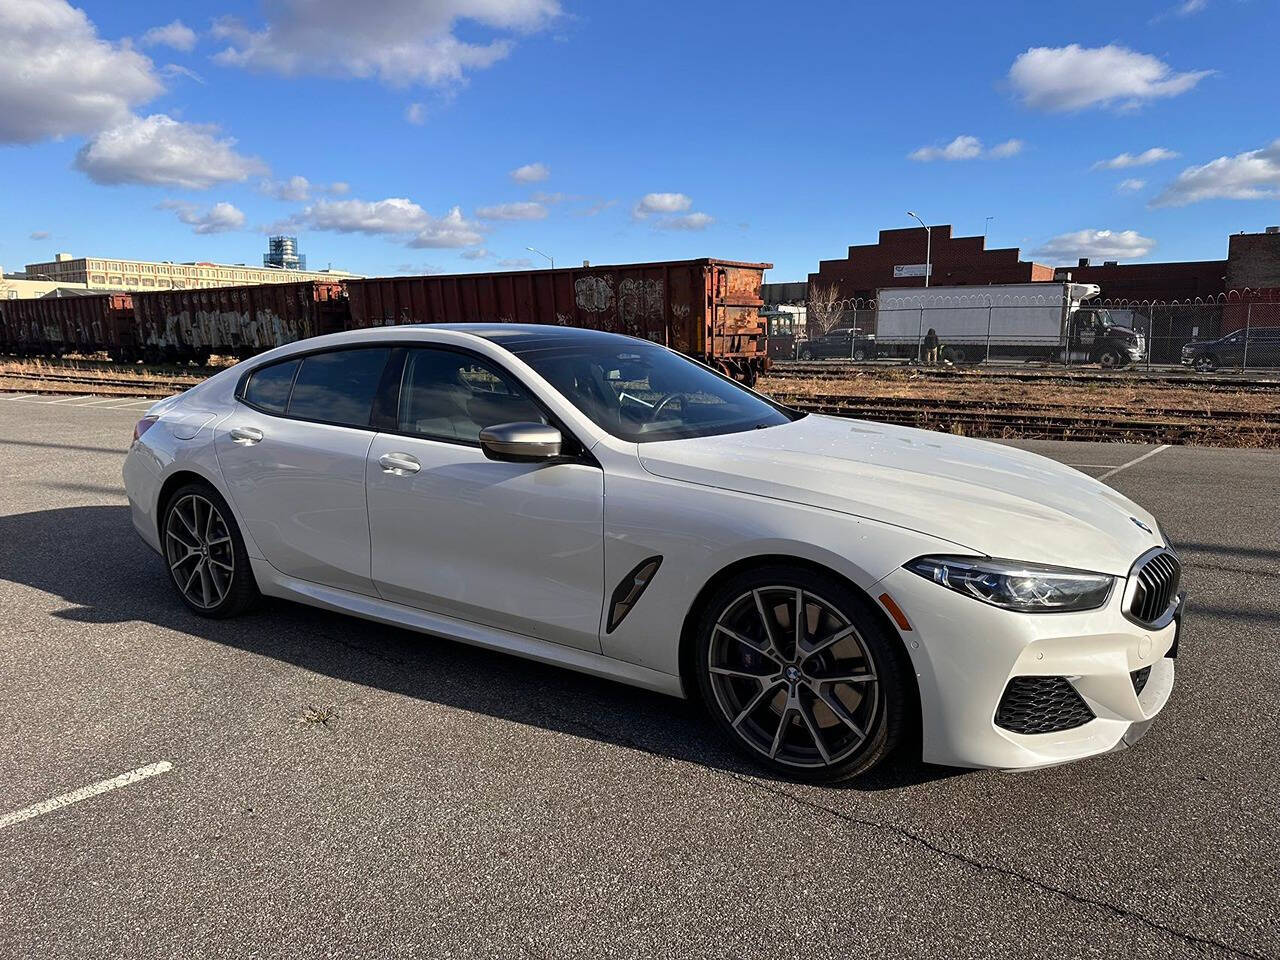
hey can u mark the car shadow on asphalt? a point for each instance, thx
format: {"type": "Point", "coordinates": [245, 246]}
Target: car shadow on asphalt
{"type": "Point", "coordinates": [117, 579]}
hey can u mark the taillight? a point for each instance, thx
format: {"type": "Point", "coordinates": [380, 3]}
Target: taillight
{"type": "Point", "coordinates": [142, 426]}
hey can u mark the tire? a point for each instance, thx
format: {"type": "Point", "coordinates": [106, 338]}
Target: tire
{"type": "Point", "coordinates": [954, 354]}
{"type": "Point", "coordinates": [1108, 359]}
{"type": "Point", "coordinates": [859, 354]}
{"type": "Point", "coordinates": [785, 711]}
{"type": "Point", "coordinates": [805, 354]}
{"type": "Point", "coordinates": [205, 554]}
{"type": "Point", "coordinates": [1206, 363]}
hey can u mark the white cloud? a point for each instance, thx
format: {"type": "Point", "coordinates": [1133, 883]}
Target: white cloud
{"type": "Point", "coordinates": [660, 203]}
{"type": "Point", "coordinates": [963, 147]}
{"type": "Point", "coordinates": [57, 77]}
{"type": "Point", "coordinates": [1253, 175]}
{"type": "Point", "coordinates": [479, 253]}
{"type": "Point", "coordinates": [531, 173]}
{"type": "Point", "coordinates": [1130, 185]}
{"type": "Point", "coordinates": [39, 235]}
{"type": "Point", "coordinates": [1188, 7]}
{"type": "Point", "coordinates": [598, 207]}
{"type": "Point", "coordinates": [513, 211]}
{"type": "Point", "coordinates": [395, 216]}
{"type": "Point", "coordinates": [294, 190]}
{"type": "Point", "coordinates": [416, 113]}
{"type": "Point", "coordinates": [966, 147]}
{"type": "Point", "coordinates": [159, 150]}
{"type": "Point", "coordinates": [400, 42]}
{"type": "Point", "coordinates": [220, 218]}
{"type": "Point", "coordinates": [1009, 148]}
{"type": "Point", "coordinates": [339, 188]}
{"type": "Point", "coordinates": [171, 70]}
{"type": "Point", "coordinates": [177, 35]}
{"type": "Point", "coordinates": [689, 221]}
{"type": "Point", "coordinates": [516, 263]}
{"type": "Point", "coordinates": [1123, 161]}
{"type": "Point", "coordinates": [1075, 77]}
{"type": "Point", "coordinates": [1096, 244]}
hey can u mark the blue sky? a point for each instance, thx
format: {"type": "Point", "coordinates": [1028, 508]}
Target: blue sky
{"type": "Point", "coordinates": [647, 130]}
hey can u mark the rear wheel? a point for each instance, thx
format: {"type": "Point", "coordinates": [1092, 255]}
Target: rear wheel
{"type": "Point", "coordinates": [205, 553]}
{"type": "Point", "coordinates": [806, 353]}
{"type": "Point", "coordinates": [799, 672]}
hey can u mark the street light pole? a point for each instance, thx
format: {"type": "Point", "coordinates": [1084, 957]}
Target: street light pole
{"type": "Point", "coordinates": [541, 254]}
{"type": "Point", "coordinates": [928, 244]}
{"type": "Point", "coordinates": [985, 227]}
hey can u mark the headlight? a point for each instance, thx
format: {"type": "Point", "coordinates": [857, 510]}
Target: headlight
{"type": "Point", "coordinates": [1025, 587]}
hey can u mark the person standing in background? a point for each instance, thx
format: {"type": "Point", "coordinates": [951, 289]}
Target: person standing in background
{"type": "Point", "coordinates": [931, 347]}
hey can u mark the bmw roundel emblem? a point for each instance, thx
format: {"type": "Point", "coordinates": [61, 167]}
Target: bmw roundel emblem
{"type": "Point", "coordinates": [1138, 523]}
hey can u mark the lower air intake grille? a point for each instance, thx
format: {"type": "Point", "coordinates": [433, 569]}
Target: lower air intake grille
{"type": "Point", "coordinates": [1139, 678]}
{"type": "Point", "coordinates": [1041, 705]}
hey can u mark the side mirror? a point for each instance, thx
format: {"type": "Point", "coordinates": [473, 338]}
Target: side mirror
{"type": "Point", "coordinates": [520, 442]}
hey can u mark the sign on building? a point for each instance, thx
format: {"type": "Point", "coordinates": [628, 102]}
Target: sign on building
{"type": "Point", "coordinates": [911, 270]}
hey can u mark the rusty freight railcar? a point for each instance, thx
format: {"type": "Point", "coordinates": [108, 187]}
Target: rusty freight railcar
{"type": "Point", "coordinates": [52, 326]}
{"type": "Point", "coordinates": [235, 321]}
{"type": "Point", "coordinates": [708, 309]}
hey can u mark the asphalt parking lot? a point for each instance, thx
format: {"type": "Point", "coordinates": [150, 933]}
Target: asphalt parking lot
{"type": "Point", "coordinates": [337, 788]}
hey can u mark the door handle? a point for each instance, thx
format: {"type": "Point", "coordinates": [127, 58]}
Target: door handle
{"type": "Point", "coordinates": [399, 464]}
{"type": "Point", "coordinates": [246, 436]}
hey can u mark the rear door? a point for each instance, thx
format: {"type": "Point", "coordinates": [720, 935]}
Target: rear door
{"type": "Point", "coordinates": [517, 546]}
{"type": "Point", "coordinates": [293, 458]}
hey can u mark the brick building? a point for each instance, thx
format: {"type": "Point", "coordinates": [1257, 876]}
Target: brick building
{"type": "Point", "coordinates": [1127, 282]}
{"type": "Point", "coordinates": [897, 260]}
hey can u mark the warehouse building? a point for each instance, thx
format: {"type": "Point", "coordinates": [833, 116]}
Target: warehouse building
{"type": "Point", "coordinates": [282, 264]}
{"type": "Point", "coordinates": [898, 260]}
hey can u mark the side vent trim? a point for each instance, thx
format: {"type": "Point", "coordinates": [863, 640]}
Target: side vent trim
{"type": "Point", "coordinates": [628, 592]}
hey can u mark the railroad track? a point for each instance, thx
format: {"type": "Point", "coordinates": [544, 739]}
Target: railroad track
{"type": "Point", "coordinates": [837, 370]}
{"type": "Point", "coordinates": [955, 405]}
{"type": "Point", "coordinates": [1050, 424]}
{"type": "Point", "coordinates": [139, 386]}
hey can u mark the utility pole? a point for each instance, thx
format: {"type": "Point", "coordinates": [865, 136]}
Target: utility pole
{"type": "Point", "coordinates": [928, 245]}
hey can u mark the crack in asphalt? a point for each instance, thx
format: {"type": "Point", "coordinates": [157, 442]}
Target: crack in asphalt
{"type": "Point", "coordinates": [947, 853]}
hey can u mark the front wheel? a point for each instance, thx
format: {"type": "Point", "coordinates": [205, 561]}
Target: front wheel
{"type": "Point", "coordinates": [205, 553]}
{"type": "Point", "coordinates": [1206, 363]}
{"type": "Point", "coordinates": [1109, 359]}
{"type": "Point", "coordinates": [797, 669]}
{"type": "Point", "coordinates": [859, 354]}
{"type": "Point", "coordinates": [805, 354]}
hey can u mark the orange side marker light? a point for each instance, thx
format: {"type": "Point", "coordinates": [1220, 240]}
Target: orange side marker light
{"type": "Point", "coordinates": [895, 611]}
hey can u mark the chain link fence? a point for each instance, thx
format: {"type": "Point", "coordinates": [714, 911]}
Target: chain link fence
{"type": "Point", "coordinates": [1225, 334]}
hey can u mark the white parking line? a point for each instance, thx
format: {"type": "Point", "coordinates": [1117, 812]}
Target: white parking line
{"type": "Point", "coordinates": [83, 396]}
{"type": "Point", "coordinates": [84, 793]}
{"type": "Point", "coordinates": [134, 403]}
{"type": "Point", "coordinates": [1125, 466]}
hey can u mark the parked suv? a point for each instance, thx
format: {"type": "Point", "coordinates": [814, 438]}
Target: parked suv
{"type": "Point", "coordinates": [848, 342]}
{"type": "Point", "coordinates": [1230, 351]}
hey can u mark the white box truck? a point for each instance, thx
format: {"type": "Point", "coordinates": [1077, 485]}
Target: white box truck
{"type": "Point", "coordinates": [1033, 321]}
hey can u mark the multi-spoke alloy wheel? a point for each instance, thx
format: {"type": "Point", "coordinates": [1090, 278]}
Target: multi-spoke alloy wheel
{"type": "Point", "coordinates": [801, 676]}
{"type": "Point", "coordinates": [206, 559]}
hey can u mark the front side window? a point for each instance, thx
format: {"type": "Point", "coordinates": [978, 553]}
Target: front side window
{"type": "Point", "coordinates": [268, 388]}
{"type": "Point", "coordinates": [639, 391]}
{"type": "Point", "coordinates": [453, 396]}
{"type": "Point", "coordinates": [338, 386]}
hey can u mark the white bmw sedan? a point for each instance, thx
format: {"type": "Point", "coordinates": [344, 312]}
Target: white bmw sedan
{"type": "Point", "coordinates": [828, 588]}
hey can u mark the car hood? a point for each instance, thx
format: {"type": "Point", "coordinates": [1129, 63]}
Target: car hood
{"type": "Point", "coordinates": [992, 499]}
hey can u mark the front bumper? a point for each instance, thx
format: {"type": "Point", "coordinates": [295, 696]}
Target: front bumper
{"type": "Point", "coordinates": [966, 652]}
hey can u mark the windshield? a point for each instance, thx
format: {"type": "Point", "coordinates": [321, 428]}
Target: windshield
{"type": "Point", "coordinates": [641, 392]}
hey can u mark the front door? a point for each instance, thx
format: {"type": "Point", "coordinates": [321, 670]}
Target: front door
{"type": "Point", "coordinates": [517, 546]}
{"type": "Point", "coordinates": [293, 458]}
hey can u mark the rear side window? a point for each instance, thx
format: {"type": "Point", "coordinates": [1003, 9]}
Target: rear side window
{"type": "Point", "coordinates": [338, 387]}
{"type": "Point", "coordinates": [268, 388]}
